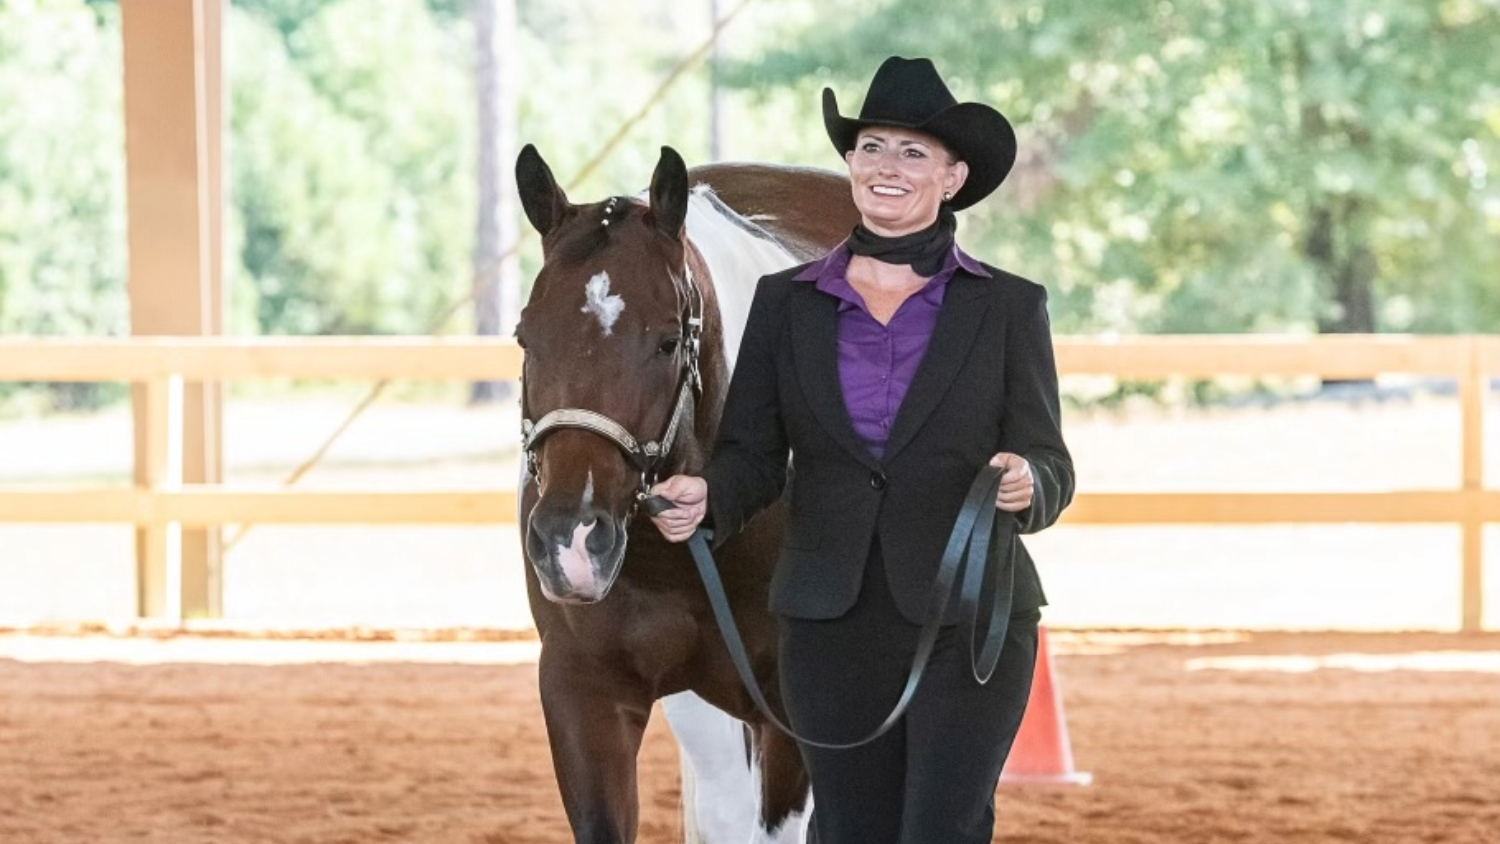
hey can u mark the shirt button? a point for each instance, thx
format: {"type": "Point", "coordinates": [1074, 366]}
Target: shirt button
{"type": "Point", "coordinates": [877, 480]}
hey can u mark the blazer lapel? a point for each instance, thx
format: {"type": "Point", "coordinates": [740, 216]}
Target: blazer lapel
{"type": "Point", "coordinates": [816, 353]}
{"type": "Point", "coordinates": [958, 322]}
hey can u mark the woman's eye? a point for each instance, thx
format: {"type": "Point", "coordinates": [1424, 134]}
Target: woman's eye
{"type": "Point", "coordinates": [870, 148]}
{"type": "Point", "coordinates": [668, 347]}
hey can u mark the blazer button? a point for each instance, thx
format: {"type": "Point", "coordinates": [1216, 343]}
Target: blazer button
{"type": "Point", "coordinates": [877, 480]}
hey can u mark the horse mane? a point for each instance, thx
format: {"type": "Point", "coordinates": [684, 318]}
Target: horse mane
{"type": "Point", "coordinates": [804, 209]}
{"type": "Point", "coordinates": [737, 252]}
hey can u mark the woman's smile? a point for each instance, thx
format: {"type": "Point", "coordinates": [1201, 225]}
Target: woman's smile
{"type": "Point", "coordinates": [903, 177]}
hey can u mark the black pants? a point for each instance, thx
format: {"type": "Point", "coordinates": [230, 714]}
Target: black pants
{"type": "Point", "coordinates": [931, 779]}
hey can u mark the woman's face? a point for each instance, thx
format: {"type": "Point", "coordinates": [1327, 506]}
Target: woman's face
{"type": "Point", "coordinates": [899, 178]}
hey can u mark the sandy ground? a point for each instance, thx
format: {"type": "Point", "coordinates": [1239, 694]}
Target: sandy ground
{"type": "Point", "coordinates": [1377, 738]}
{"type": "Point", "coordinates": [1262, 737]}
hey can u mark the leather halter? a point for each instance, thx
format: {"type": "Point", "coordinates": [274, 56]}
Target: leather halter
{"type": "Point", "coordinates": [647, 457]}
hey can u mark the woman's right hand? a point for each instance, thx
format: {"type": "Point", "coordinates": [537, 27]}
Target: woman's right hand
{"type": "Point", "coordinates": [689, 496]}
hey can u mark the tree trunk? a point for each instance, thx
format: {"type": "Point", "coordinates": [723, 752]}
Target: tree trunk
{"type": "Point", "coordinates": [1338, 246]}
{"type": "Point", "coordinates": [497, 284]}
{"type": "Point", "coordinates": [715, 100]}
{"type": "Point", "coordinates": [1337, 236]}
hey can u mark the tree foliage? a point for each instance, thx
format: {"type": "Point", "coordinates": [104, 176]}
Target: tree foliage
{"type": "Point", "coordinates": [1186, 166]}
{"type": "Point", "coordinates": [62, 222]}
{"type": "Point", "coordinates": [352, 140]}
{"type": "Point", "coordinates": [1218, 166]}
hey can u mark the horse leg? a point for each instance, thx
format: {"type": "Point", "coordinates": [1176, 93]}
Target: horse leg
{"type": "Point", "coordinates": [785, 797]}
{"type": "Point", "coordinates": [719, 789]}
{"type": "Point", "coordinates": [595, 728]}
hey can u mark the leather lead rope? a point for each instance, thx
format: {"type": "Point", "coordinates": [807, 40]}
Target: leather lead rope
{"type": "Point", "coordinates": [964, 556]}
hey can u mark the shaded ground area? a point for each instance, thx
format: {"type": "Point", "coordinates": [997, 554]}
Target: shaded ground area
{"type": "Point", "coordinates": [1196, 738]}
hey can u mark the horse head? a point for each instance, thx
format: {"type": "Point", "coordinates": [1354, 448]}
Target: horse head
{"type": "Point", "coordinates": [611, 334]}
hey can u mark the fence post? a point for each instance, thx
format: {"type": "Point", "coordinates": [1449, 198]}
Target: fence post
{"type": "Point", "coordinates": [1471, 390]}
{"type": "Point", "coordinates": [172, 62]}
{"type": "Point", "coordinates": [158, 565]}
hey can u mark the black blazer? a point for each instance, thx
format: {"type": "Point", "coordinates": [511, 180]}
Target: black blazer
{"type": "Point", "coordinates": [987, 383]}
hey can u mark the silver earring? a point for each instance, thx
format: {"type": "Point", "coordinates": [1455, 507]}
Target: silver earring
{"type": "Point", "coordinates": [947, 196]}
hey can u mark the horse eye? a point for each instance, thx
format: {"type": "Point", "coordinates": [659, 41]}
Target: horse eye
{"type": "Point", "coordinates": [668, 347]}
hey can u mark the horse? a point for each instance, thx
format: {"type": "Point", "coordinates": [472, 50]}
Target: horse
{"type": "Point", "coordinates": [630, 334]}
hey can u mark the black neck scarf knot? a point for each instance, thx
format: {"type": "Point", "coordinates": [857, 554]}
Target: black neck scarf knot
{"type": "Point", "coordinates": [924, 250]}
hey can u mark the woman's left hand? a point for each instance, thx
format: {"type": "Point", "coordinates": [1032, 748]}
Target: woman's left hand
{"type": "Point", "coordinates": [1015, 484]}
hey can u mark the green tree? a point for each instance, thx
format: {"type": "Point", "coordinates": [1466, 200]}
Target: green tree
{"type": "Point", "coordinates": [1219, 166]}
{"type": "Point", "coordinates": [62, 206]}
{"type": "Point", "coordinates": [351, 152]}
{"type": "Point", "coordinates": [62, 258]}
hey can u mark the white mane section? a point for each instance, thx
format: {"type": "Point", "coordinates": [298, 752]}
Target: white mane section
{"type": "Point", "coordinates": [738, 253]}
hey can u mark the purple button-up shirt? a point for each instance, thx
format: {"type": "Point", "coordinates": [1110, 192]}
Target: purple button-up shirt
{"type": "Point", "coordinates": [877, 362]}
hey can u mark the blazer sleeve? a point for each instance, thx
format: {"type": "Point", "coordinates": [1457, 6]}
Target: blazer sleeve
{"type": "Point", "coordinates": [748, 468]}
{"type": "Point", "coordinates": [1032, 420]}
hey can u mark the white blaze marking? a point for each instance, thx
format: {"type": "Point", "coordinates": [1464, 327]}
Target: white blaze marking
{"type": "Point", "coordinates": [605, 306]}
{"type": "Point", "coordinates": [588, 492]}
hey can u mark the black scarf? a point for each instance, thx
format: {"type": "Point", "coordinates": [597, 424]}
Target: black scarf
{"type": "Point", "coordinates": [924, 250]}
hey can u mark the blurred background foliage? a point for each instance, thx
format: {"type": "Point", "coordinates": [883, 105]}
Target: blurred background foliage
{"type": "Point", "coordinates": [1204, 166]}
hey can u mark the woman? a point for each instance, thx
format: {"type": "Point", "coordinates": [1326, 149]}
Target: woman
{"type": "Point", "coordinates": [890, 371]}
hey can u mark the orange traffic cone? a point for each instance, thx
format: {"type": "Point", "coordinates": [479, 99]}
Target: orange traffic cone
{"type": "Point", "coordinates": [1041, 754]}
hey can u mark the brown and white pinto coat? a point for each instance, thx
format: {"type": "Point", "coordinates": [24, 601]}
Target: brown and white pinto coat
{"type": "Point", "coordinates": [622, 617]}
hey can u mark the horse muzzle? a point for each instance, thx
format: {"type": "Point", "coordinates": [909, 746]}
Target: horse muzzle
{"type": "Point", "coordinates": [576, 556]}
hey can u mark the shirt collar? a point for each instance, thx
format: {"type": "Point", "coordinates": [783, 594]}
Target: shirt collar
{"type": "Point", "coordinates": [830, 270]}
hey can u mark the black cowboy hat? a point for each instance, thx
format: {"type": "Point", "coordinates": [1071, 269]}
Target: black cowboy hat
{"type": "Point", "coordinates": [909, 94]}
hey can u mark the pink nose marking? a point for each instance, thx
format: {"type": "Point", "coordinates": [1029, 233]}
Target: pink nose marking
{"type": "Point", "coordinates": [575, 563]}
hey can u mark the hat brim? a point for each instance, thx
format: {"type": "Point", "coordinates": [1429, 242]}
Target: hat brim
{"type": "Point", "coordinates": [975, 133]}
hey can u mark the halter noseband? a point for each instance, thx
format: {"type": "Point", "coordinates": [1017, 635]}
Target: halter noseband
{"type": "Point", "coordinates": [647, 457]}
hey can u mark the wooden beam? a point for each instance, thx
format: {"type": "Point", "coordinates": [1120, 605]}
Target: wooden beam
{"type": "Point", "coordinates": [231, 358]}
{"type": "Point", "coordinates": [1243, 508]}
{"type": "Point", "coordinates": [1489, 354]}
{"type": "Point", "coordinates": [1473, 383]}
{"type": "Point", "coordinates": [218, 505]}
{"type": "Point", "coordinates": [199, 505]}
{"type": "Point", "coordinates": [1208, 356]}
{"type": "Point", "coordinates": [173, 143]}
{"type": "Point", "coordinates": [75, 504]}
{"type": "Point", "coordinates": [158, 565]}
{"type": "Point", "coordinates": [107, 359]}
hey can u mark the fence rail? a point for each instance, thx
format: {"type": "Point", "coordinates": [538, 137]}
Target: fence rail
{"type": "Point", "coordinates": [162, 504]}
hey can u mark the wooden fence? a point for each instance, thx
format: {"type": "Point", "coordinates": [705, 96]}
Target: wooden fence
{"type": "Point", "coordinates": [163, 503]}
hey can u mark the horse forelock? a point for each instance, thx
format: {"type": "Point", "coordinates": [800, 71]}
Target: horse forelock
{"type": "Point", "coordinates": [591, 229]}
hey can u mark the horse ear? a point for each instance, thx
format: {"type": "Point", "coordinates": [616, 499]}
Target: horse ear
{"type": "Point", "coordinates": [669, 193]}
{"type": "Point", "coordinates": [544, 202]}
